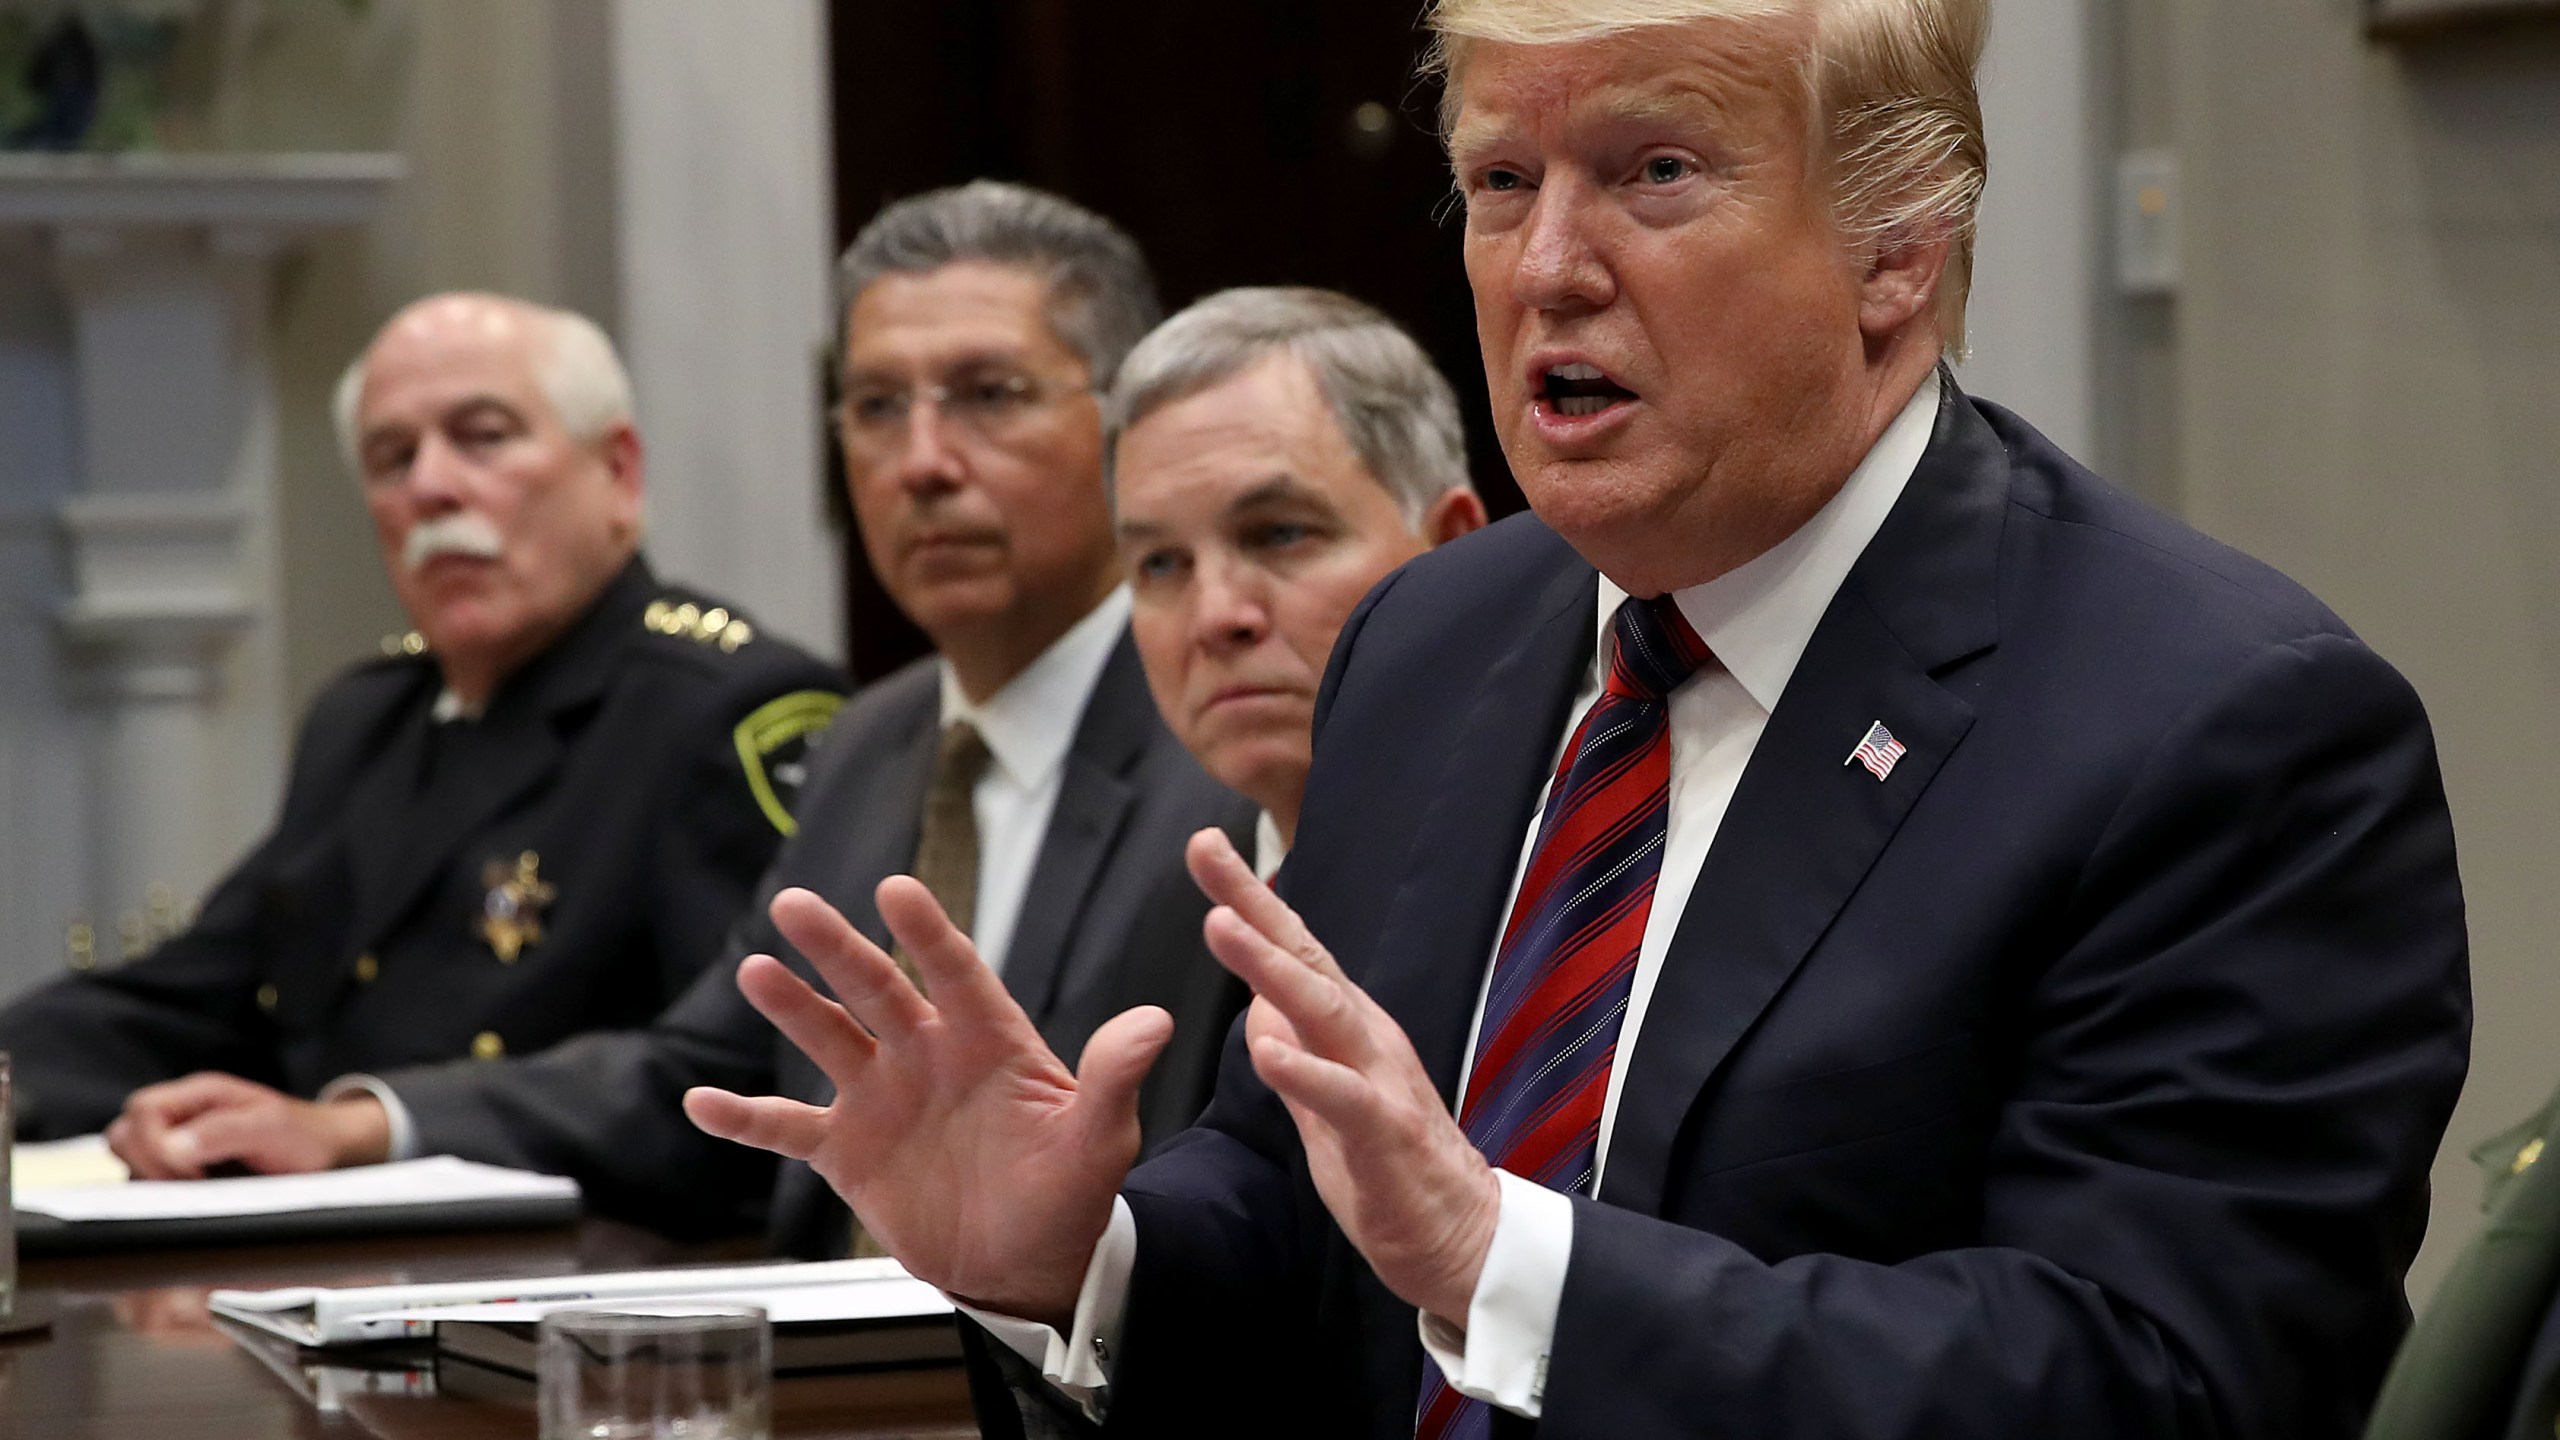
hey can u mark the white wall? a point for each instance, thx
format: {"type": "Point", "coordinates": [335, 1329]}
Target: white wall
{"type": "Point", "coordinates": [2035, 302]}
{"type": "Point", "coordinates": [725, 242]}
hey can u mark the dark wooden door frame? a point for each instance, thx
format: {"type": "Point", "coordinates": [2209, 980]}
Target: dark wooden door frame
{"type": "Point", "coordinates": [1239, 141]}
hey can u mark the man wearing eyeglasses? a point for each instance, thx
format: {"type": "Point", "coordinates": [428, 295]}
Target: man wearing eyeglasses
{"type": "Point", "coordinates": [1022, 771]}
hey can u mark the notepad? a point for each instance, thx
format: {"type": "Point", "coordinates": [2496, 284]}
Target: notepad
{"type": "Point", "coordinates": [438, 1179]}
{"type": "Point", "coordinates": [438, 1193]}
{"type": "Point", "coordinates": [825, 1291]}
{"type": "Point", "coordinates": [58, 1164]}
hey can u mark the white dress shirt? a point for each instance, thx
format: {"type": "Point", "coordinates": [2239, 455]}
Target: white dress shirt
{"type": "Point", "coordinates": [1757, 619]}
{"type": "Point", "coordinates": [1029, 726]}
{"type": "Point", "coordinates": [1268, 848]}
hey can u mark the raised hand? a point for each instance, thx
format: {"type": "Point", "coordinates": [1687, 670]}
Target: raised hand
{"type": "Point", "coordinates": [961, 1141]}
{"type": "Point", "coordinates": [178, 1129]}
{"type": "Point", "coordinates": [1402, 1180]}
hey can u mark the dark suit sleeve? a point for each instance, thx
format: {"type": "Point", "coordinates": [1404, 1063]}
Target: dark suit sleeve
{"type": "Point", "coordinates": [606, 1107]}
{"type": "Point", "coordinates": [79, 1045]}
{"type": "Point", "coordinates": [2198, 1202]}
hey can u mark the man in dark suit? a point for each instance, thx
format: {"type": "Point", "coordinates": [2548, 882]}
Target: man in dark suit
{"type": "Point", "coordinates": [1022, 767]}
{"type": "Point", "coordinates": [1255, 508]}
{"type": "Point", "coordinates": [532, 816]}
{"type": "Point", "coordinates": [1837, 925]}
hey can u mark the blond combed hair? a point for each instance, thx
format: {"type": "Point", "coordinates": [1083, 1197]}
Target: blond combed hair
{"type": "Point", "coordinates": [1896, 119]}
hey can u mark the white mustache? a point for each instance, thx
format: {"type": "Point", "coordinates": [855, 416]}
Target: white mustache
{"type": "Point", "coordinates": [466, 533]}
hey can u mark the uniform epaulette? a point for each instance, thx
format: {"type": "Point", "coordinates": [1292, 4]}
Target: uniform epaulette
{"type": "Point", "coordinates": [407, 643]}
{"type": "Point", "coordinates": [684, 618]}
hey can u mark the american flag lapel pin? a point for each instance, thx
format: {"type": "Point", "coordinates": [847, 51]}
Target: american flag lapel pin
{"type": "Point", "coordinates": [1878, 752]}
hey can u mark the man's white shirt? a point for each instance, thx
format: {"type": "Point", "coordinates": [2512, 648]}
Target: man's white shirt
{"type": "Point", "coordinates": [1029, 727]}
{"type": "Point", "coordinates": [1757, 620]}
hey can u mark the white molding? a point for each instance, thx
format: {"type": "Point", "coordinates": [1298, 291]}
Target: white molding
{"type": "Point", "coordinates": [234, 193]}
{"type": "Point", "coordinates": [127, 550]}
{"type": "Point", "coordinates": [169, 701]}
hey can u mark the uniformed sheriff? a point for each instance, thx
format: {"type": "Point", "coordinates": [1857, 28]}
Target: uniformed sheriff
{"type": "Point", "coordinates": [2484, 1360]}
{"type": "Point", "coordinates": [533, 815]}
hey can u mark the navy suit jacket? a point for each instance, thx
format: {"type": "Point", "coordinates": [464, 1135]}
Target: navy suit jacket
{"type": "Point", "coordinates": [2081, 1078]}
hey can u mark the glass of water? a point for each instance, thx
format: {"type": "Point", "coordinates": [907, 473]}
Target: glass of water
{"type": "Point", "coordinates": [8, 1201]}
{"type": "Point", "coordinates": [666, 1372]}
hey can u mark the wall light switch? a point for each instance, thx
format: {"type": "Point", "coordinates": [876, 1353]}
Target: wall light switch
{"type": "Point", "coordinates": [2148, 216]}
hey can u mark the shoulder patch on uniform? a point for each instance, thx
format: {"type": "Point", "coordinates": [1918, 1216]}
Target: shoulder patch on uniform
{"type": "Point", "coordinates": [689, 621]}
{"type": "Point", "coordinates": [773, 745]}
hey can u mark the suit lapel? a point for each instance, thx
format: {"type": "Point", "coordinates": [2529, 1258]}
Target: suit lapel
{"type": "Point", "coordinates": [1802, 831]}
{"type": "Point", "coordinates": [888, 800]}
{"type": "Point", "coordinates": [1804, 827]}
{"type": "Point", "coordinates": [1094, 799]}
{"type": "Point", "coordinates": [1467, 848]}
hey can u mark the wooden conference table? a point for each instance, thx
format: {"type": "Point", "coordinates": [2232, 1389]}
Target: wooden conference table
{"type": "Point", "coordinates": [133, 1354]}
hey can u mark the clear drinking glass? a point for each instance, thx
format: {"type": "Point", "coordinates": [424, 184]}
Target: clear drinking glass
{"type": "Point", "coordinates": [675, 1372]}
{"type": "Point", "coordinates": [8, 1201]}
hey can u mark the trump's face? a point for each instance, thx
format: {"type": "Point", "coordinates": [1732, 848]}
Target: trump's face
{"type": "Point", "coordinates": [1670, 321]}
{"type": "Point", "coordinates": [1250, 529]}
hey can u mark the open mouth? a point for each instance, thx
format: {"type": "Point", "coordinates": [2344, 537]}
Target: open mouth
{"type": "Point", "coordinates": [1577, 390]}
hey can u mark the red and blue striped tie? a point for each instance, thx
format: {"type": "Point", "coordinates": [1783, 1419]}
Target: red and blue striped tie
{"type": "Point", "coordinates": [1568, 956]}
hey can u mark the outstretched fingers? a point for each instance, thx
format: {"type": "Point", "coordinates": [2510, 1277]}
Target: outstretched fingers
{"type": "Point", "coordinates": [958, 982]}
{"type": "Point", "coordinates": [1115, 1065]}
{"type": "Point", "coordinates": [1223, 876]}
{"type": "Point", "coordinates": [818, 1025]}
{"type": "Point", "coordinates": [1334, 1093]}
{"type": "Point", "coordinates": [1323, 1008]}
{"type": "Point", "coordinates": [785, 1127]}
{"type": "Point", "coordinates": [861, 974]}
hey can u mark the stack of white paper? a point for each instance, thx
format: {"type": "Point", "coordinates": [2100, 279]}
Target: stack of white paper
{"type": "Point", "coordinates": [835, 1290]}
{"type": "Point", "coordinates": [441, 1179]}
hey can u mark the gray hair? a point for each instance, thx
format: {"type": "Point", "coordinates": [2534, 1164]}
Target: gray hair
{"type": "Point", "coordinates": [1102, 297]}
{"type": "Point", "coordinates": [1391, 403]}
{"type": "Point", "coordinates": [579, 371]}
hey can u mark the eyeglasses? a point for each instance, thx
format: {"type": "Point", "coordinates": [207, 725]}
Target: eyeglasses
{"type": "Point", "coordinates": [988, 407]}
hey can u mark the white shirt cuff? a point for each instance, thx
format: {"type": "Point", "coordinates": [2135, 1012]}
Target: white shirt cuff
{"type": "Point", "coordinates": [404, 1130]}
{"type": "Point", "coordinates": [1501, 1357]}
{"type": "Point", "coordinates": [1079, 1362]}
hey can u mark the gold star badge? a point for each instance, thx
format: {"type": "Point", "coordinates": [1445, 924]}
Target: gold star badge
{"type": "Point", "coordinates": [511, 916]}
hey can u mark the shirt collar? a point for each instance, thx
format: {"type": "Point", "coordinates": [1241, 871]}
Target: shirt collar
{"type": "Point", "coordinates": [1759, 617]}
{"type": "Point", "coordinates": [1268, 848]}
{"type": "Point", "coordinates": [1029, 724]}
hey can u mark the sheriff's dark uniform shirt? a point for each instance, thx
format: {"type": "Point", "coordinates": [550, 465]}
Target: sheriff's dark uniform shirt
{"type": "Point", "coordinates": [440, 886]}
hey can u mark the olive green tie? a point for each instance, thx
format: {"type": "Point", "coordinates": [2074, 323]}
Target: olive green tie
{"type": "Point", "coordinates": [947, 843]}
{"type": "Point", "coordinates": [946, 854]}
